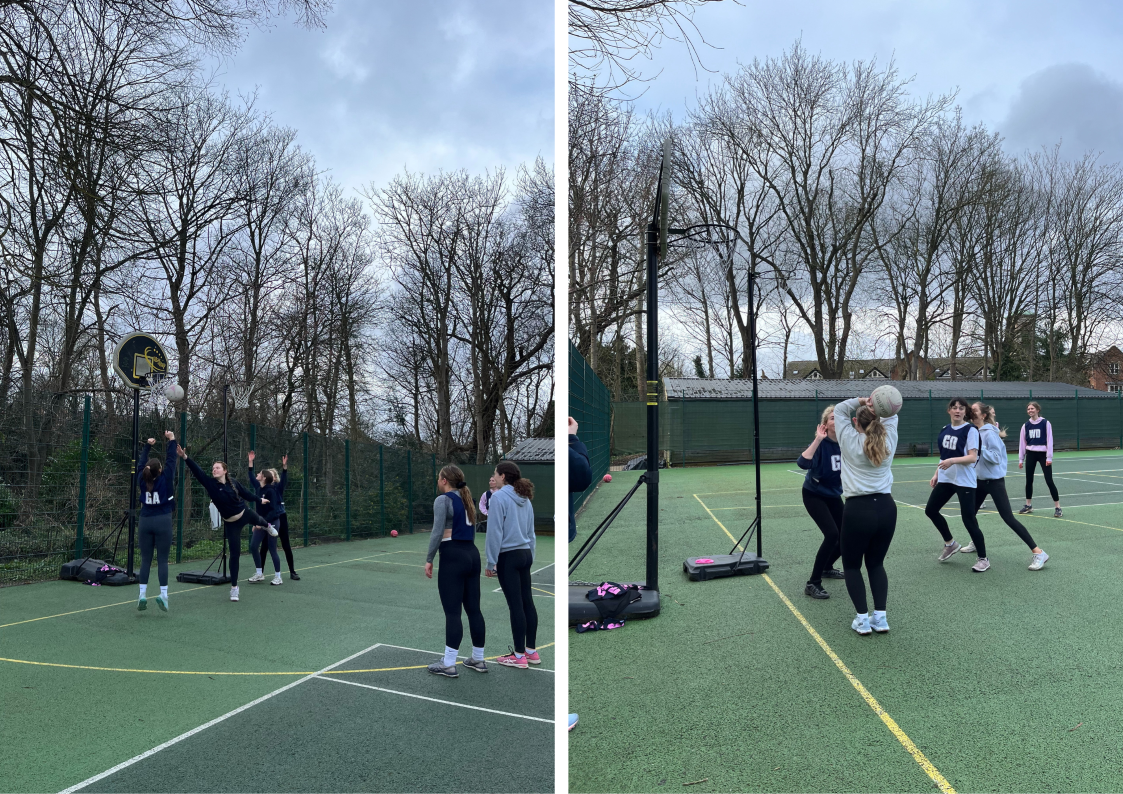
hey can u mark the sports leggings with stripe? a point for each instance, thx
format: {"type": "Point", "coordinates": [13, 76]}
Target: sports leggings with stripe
{"type": "Point", "coordinates": [1034, 457]}
{"type": "Point", "coordinates": [458, 582]}
{"type": "Point", "coordinates": [939, 497]}
{"type": "Point", "coordinates": [868, 524]}
{"type": "Point", "coordinates": [826, 512]}
{"type": "Point", "coordinates": [996, 489]}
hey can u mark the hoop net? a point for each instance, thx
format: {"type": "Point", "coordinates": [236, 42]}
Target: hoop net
{"type": "Point", "coordinates": [240, 392]}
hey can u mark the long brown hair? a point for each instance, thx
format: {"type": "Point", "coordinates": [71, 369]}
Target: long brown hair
{"type": "Point", "coordinates": [151, 473]}
{"type": "Point", "coordinates": [512, 476]}
{"type": "Point", "coordinates": [876, 443]}
{"type": "Point", "coordinates": [455, 477]}
{"type": "Point", "coordinates": [270, 476]}
{"type": "Point", "coordinates": [969, 412]}
{"type": "Point", "coordinates": [990, 418]}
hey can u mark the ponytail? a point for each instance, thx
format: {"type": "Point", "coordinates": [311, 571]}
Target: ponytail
{"type": "Point", "coordinates": [512, 476]}
{"type": "Point", "coordinates": [455, 477]}
{"type": "Point", "coordinates": [990, 418]}
{"type": "Point", "coordinates": [151, 473]}
{"type": "Point", "coordinates": [876, 442]}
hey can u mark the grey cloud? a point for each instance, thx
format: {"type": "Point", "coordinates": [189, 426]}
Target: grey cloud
{"type": "Point", "coordinates": [441, 84]}
{"type": "Point", "coordinates": [1071, 103]}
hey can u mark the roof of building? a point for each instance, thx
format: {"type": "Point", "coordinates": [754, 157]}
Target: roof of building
{"type": "Point", "coordinates": [706, 389]}
{"type": "Point", "coordinates": [861, 367]}
{"type": "Point", "coordinates": [532, 450]}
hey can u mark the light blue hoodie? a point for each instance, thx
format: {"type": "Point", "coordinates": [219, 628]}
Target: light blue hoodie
{"type": "Point", "coordinates": [992, 456]}
{"type": "Point", "coordinates": [510, 524]}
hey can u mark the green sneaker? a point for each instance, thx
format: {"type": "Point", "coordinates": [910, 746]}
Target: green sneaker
{"type": "Point", "coordinates": [142, 604]}
{"type": "Point", "coordinates": [162, 603]}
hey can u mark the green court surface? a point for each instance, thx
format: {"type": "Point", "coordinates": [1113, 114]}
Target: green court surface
{"type": "Point", "coordinates": [1008, 680]}
{"type": "Point", "coordinates": [318, 685]}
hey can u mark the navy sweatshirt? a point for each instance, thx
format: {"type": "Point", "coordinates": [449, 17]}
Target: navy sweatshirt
{"type": "Point", "coordinates": [275, 493]}
{"type": "Point", "coordinates": [159, 500]}
{"type": "Point", "coordinates": [580, 476]}
{"type": "Point", "coordinates": [824, 470]}
{"type": "Point", "coordinates": [226, 497]}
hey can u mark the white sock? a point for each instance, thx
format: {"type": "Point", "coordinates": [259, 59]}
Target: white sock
{"type": "Point", "coordinates": [143, 590]}
{"type": "Point", "coordinates": [164, 592]}
{"type": "Point", "coordinates": [258, 571]}
{"type": "Point", "coordinates": [879, 613]}
{"type": "Point", "coordinates": [520, 655]}
{"type": "Point", "coordinates": [450, 656]}
{"type": "Point", "coordinates": [865, 615]}
{"type": "Point", "coordinates": [530, 650]}
{"type": "Point", "coordinates": [477, 654]}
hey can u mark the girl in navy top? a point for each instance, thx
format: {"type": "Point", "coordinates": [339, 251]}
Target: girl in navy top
{"type": "Point", "coordinates": [157, 495]}
{"type": "Point", "coordinates": [822, 496]}
{"type": "Point", "coordinates": [1035, 445]}
{"type": "Point", "coordinates": [272, 487]}
{"type": "Point", "coordinates": [458, 578]}
{"type": "Point", "coordinates": [955, 475]}
{"type": "Point", "coordinates": [230, 497]}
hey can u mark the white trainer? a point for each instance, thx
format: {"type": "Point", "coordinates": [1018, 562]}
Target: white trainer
{"type": "Point", "coordinates": [272, 530]}
{"type": "Point", "coordinates": [1038, 561]}
{"type": "Point", "coordinates": [277, 578]}
{"type": "Point", "coordinates": [233, 593]}
{"type": "Point", "coordinates": [968, 549]}
{"type": "Point", "coordinates": [257, 577]}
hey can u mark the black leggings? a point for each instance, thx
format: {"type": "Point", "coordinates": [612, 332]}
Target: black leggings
{"type": "Point", "coordinates": [939, 497]}
{"type": "Point", "coordinates": [1032, 459]}
{"type": "Point", "coordinates": [155, 532]}
{"type": "Point", "coordinates": [826, 512]}
{"type": "Point", "coordinates": [255, 549]}
{"type": "Point", "coordinates": [458, 582]}
{"type": "Point", "coordinates": [868, 524]}
{"type": "Point", "coordinates": [513, 569]}
{"type": "Point", "coordinates": [996, 489]}
{"type": "Point", "coordinates": [282, 525]}
{"type": "Point", "coordinates": [234, 539]}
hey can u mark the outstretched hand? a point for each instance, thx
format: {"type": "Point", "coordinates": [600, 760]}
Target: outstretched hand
{"type": "Point", "coordinates": [821, 432]}
{"type": "Point", "coordinates": [284, 461]}
{"type": "Point", "coordinates": [151, 442]}
{"type": "Point", "coordinates": [181, 452]}
{"type": "Point", "coordinates": [169, 435]}
{"type": "Point", "coordinates": [251, 456]}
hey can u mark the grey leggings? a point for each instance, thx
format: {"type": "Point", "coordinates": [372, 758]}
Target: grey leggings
{"type": "Point", "coordinates": [155, 532]}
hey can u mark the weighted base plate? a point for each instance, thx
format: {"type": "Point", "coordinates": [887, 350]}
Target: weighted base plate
{"type": "Point", "coordinates": [199, 577]}
{"type": "Point", "coordinates": [721, 565]}
{"type": "Point", "coordinates": [582, 610]}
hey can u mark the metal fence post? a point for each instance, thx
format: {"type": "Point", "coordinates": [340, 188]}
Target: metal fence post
{"type": "Point", "coordinates": [434, 454]}
{"type": "Point", "coordinates": [304, 498]}
{"type": "Point", "coordinates": [1119, 402]}
{"type": "Point", "coordinates": [179, 491]}
{"type": "Point", "coordinates": [381, 494]}
{"type": "Point", "coordinates": [932, 425]}
{"type": "Point", "coordinates": [1077, 419]}
{"type": "Point", "coordinates": [80, 535]}
{"type": "Point", "coordinates": [347, 484]}
{"type": "Point", "coordinates": [253, 437]}
{"type": "Point", "coordinates": [409, 485]}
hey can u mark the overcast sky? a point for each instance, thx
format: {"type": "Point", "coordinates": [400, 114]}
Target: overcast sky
{"type": "Point", "coordinates": [1034, 71]}
{"type": "Point", "coordinates": [423, 85]}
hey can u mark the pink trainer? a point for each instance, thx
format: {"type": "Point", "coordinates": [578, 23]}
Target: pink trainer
{"type": "Point", "coordinates": [511, 660]}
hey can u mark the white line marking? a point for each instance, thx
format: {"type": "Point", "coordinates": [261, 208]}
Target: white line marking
{"type": "Point", "coordinates": [434, 700]}
{"type": "Point", "coordinates": [544, 567]}
{"type": "Point", "coordinates": [533, 595]}
{"type": "Point", "coordinates": [441, 653]}
{"type": "Point", "coordinates": [215, 721]}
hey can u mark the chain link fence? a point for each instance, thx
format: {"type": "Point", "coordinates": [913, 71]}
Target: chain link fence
{"type": "Point", "coordinates": [590, 404]}
{"type": "Point", "coordinates": [709, 431]}
{"type": "Point", "coordinates": [66, 467]}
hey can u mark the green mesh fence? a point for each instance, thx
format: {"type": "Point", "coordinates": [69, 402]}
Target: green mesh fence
{"type": "Point", "coordinates": [721, 431]}
{"type": "Point", "coordinates": [65, 474]}
{"type": "Point", "coordinates": [591, 406]}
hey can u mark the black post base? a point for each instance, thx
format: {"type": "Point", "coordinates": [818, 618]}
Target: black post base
{"type": "Point", "coordinates": [701, 569]}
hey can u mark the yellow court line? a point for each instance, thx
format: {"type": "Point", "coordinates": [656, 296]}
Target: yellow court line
{"type": "Point", "coordinates": [918, 756]}
{"type": "Point", "coordinates": [213, 673]}
{"type": "Point", "coordinates": [188, 590]}
{"type": "Point", "coordinates": [539, 589]}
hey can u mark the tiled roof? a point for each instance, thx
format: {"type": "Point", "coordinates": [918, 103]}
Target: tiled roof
{"type": "Point", "coordinates": [532, 450]}
{"type": "Point", "coordinates": [706, 389]}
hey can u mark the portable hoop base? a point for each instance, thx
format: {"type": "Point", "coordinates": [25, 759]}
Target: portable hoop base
{"type": "Point", "coordinates": [723, 565]}
{"type": "Point", "coordinates": [582, 610]}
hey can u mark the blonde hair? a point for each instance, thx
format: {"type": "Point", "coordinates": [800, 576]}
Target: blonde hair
{"type": "Point", "coordinates": [455, 477]}
{"type": "Point", "coordinates": [990, 418]}
{"type": "Point", "coordinates": [271, 476]}
{"type": "Point", "coordinates": [876, 443]}
{"type": "Point", "coordinates": [827, 413]}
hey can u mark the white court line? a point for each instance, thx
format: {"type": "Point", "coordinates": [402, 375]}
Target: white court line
{"type": "Point", "coordinates": [213, 722]}
{"type": "Point", "coordinates": [532, 595]}
{"type": "Point", "coordinates": [459, 656]}
{"type": "Point", "coordinates": [544, 567]}
{"type": "Point", "coordinates": [434, 700]}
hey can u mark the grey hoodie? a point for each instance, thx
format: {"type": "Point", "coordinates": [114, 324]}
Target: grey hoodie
{"type": "Point", "coordinates": [510, 524]}
{"type": "Point", "coordinates": [859, 476]}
